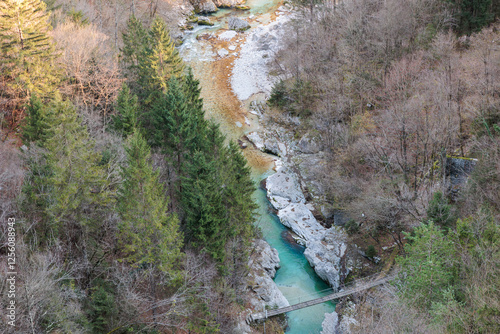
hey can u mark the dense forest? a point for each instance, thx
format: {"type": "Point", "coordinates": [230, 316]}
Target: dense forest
{"type": "Point", "coordinates": [132, 212]}
{"type": "Point", "coordinates": [397, 90]}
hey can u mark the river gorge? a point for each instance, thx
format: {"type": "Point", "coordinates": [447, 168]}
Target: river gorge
{"type": "Point", "coordinates": [233, 74]}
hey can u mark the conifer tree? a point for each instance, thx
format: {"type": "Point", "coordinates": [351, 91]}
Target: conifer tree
{"type": "Point", "coordinates": [216, 199]}
{"type": "Point", "coordinates": [27, 52]}
{"type": "Point", "coordinates": [36, 125]}
{"type": "Point", "coordinates": [125, 120]}
{"type": "Point", "coordinates": [162, 60]}
{"type": "Point", "coordinates": [173, 125]}
{"type": "Point", "coordinates": [192, 92]}
{"type": "Point", "coordinates": [204, 211]}
{"type": "Point", "coordinates": [78, 181]}
{"type": "Point", "coordinates": [147, 233]}
{"type": "Point", "coordinates": [473, 15]}
{"type": "Point", "coordinates": [135, 42]}
{"type": "Point", "coordinates": [239, 190]}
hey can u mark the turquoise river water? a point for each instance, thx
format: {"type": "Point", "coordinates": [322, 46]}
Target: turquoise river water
{"type": "Point", "coordinates": [296, 279]}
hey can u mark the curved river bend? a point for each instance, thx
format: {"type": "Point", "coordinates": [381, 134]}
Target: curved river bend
{"type": "Point", "coordinates": [296, 279]}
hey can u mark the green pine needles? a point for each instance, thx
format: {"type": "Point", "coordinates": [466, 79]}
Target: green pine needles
{"type": "Point", "coordinates": [148, 234]}
{"type": "Point", "coordinates": [209, 183]}
{"type": "Point", "coordinates": [27, 52]}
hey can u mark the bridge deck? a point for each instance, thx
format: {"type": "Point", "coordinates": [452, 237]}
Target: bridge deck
{"type": "Point", "coordinates": [336, 295]}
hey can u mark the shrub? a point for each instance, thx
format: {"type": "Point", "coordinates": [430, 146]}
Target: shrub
{"type": "Point", "coordinates": [352, 227]}
{"type": "Point", "coordinates": [371, 252]}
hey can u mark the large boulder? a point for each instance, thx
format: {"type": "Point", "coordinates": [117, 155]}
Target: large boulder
{"type": "Point", "coordinates": [283, 188]}
{"type": "Point", "coordinates": [204, 6]}
{"type": "Point", "coordinates": [256, 139]}
{"type": "Point", "coordinates": [237, 24]}
{"type": "Point", "coordinates": [325, 255]}
{"type": "Point", "coordinates": [298, 218]}
{"type": "Point", "coordinates": [228, 3]}
{"type": "Point", "coordinates": [263, 263]}
{"type": "Point", "coordinates": [274, 146]}
{"type": "Point", "coordinates": [309, 144]}
{"type": "Point", "coordinates": [330, 323]}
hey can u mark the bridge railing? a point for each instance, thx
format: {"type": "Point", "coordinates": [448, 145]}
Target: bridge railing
{"type": "Point", "coordinates": [353, 287]}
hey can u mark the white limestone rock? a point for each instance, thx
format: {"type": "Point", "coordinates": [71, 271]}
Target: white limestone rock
{"type": "Point", "coordinates": [274, 146]}
{"type": "Point", "coordinates": [228, 3]}
{"type": "Point", "coordinates": [324, 255]}
{"type": "Point", "coordinates": [228, 35]}
{"type": "Point", "coordinates": [263, 263]}
{"type": "Point", "coordinates": [256, 139]}
{"type": "Point", "coordinates": [204, 6]}
{"type": "Point", "coordinates": [222, 53]}
{"type": "Point", "coordinates": [235, 23]}
{"type": "Point", "coordinates": [330, 323]}
{"type": "Point", "coordinates": [301, 221]}
{"type": "Point", "coordinates": [347, 318]}
{"type": "Point", "coordinates": [283, 188]}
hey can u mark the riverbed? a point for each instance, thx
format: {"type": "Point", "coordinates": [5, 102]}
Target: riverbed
{"type": "Point", "coordinates": [201, 50]}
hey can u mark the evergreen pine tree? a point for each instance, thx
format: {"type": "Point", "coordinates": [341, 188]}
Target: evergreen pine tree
{"type": "Point", "coordinates": [173, 125]}
{"type": "Point", "coordinates": [161, 62]}
{"type": "Point", "coordinates": [125, 120]}
{"type": "Point", "coordinates": [192, 92]}
{"type": "Point", "coordinates": [473, 15]}
{"type": "Point", "coordinates": [27, 52]}
{"type": "Point", "coordinates": [36, 125]}
{"type": "Point", "coordinates": [78, 181]}
{"type": "Point", "coordinates": [147, 233]}
{"type": "Point", "coordinates": [202, 201]}
{"type": "Point", "coordinates": [135, 43]}
{"type": "Point", "coordinates": [428, 268]}
{"type": "Point", "coordinates": [239, 190]}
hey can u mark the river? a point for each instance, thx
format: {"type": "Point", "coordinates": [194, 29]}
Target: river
{"type": "Point", "coordinates": [296, 279]}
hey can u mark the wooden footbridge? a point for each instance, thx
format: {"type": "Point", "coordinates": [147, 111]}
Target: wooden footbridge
{"type": "Point", "coordinates": [354, 287]}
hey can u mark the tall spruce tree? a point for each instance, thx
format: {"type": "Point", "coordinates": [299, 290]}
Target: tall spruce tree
{"type": "Point", "coordinates": [135, 43]}
{"type": "Point", "coordinates": [127, 109]}
{"type": "Point", "coordinates": [148, 234]}
{"type": "Point", "coordinates": [79, 185]}
{"type": "Point", "coordinates": [473, 15]}
{"type": "Point", "coordinates": [27, 52]}
{"type": "Point", "coordinates": [162, 60]}
{"type": "Point", "coordinates": [36, 123]}
{"type": "Point", "coordinates": [204, 211]}
{"type": "Point", "coordinates": [239, 190]}
{"type": "Point", "coordinates": [173, 125]}
{"type": "Point", "coordinates": [216, 199]}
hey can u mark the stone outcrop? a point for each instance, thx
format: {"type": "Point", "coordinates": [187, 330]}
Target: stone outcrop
{"type": "Point", "coordinates": [263, 263]}
{"type": "Point", "coordinates": [268, 143]}
{"type": "Point", "coordinates": [204, 6]}
{"type": "Point", "coordinates": [325, 255]}
{"type": "Point", "coordinates": [228, 3]}
{"type": "Point", "coordinates": [298, 218]}
{"type": "Point", "coordinates": [457, 172]}
{"type": "Point", "coordinates": [330, 323]}
{"type": "Point", "coordinates": [283, 188]}
{"type": "Point", "coordinates": [324, 247]}
{"type": "Point", "coordinates": [309, 144]}
{"type": "Point", "coordinates": [237, 24]}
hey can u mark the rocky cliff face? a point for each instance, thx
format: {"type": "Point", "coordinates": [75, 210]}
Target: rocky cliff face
{"type": "Point", "coordinates": [324, 247]}
{"type": "Point", "coordinates": [263, 263]}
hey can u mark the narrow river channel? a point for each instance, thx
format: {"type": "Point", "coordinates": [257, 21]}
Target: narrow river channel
{"type": "Point", "coordinates": [296, 279]}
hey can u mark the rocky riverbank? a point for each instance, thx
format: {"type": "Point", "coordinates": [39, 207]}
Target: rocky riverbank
{"type": "Point", "coordinates": [263, 293]}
